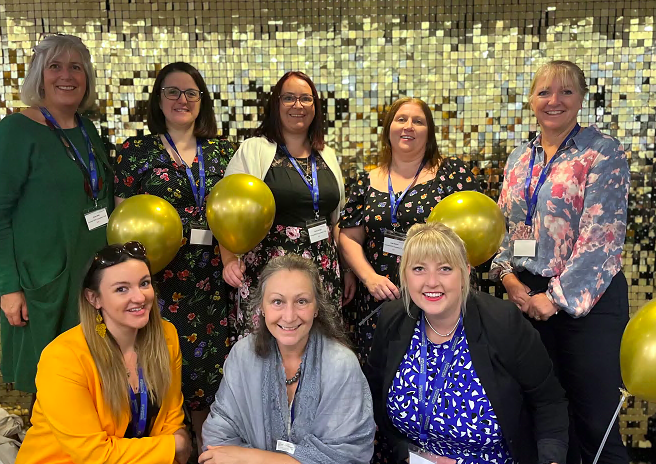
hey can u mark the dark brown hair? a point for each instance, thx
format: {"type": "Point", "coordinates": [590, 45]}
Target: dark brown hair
{"type": "Point", "coordinates": [432, 154]}
{"type": "Point", "coordinates": [327, 322]}
{"type": "Point", "coordinates": [271, 126]}
{"type": "Point", "coordinates": [205, 125]}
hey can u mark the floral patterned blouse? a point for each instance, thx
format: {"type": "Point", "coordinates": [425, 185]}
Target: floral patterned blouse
{"type": "Point", "coordinates": [580, 219]}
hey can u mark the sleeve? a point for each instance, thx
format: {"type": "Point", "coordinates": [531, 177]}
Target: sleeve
{"type": "Point", "coordinates": [596, 255]}
{"type": "Point", "coordinates": [127, 172]}
{"type": "Point", "coordinates": [174, 419]}
{"type": "Point", "coordinates": [344, 425]}
{"type": "Point", "coordinates": [546, 398]}
{"type": "Point", "coordinates": [222, 426]}
{"type": "Point", "coordinates": [501, 264]}
{"type": "Point", "coordinates": [15, 162]}
{"type": "Point", "coordinates": [353, 212]}
{"type": "Point", "coordinates": [70, 410]}
{"type": "Point", "coordinates": [238, 163]}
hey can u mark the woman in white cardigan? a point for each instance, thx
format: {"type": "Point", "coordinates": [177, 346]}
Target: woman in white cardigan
{"type": "Point", "coordinates": [289, 154]}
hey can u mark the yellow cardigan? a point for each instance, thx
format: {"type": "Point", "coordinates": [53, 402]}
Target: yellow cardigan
{"type": "Point", "coordinates": [72, 423]}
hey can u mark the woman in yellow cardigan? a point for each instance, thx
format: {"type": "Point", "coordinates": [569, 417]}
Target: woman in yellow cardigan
{"type": "Point", "coordinates": [108, 390]}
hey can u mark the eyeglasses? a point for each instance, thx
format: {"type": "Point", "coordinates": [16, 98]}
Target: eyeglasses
{"type": "Point", "coordinates": [289, 100]}
{"type": "Point", "coordinates": [173, 93]}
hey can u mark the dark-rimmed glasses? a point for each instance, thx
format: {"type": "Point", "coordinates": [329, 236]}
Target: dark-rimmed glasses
{"type": "Point", "coordinates": [111, 254]}
{"type": "Point", "coordinates": [289, 99]}
{"type": "Point", "coordinates": [173, 93]}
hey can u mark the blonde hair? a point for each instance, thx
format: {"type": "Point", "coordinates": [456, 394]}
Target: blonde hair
{"type": "Point", "coordinates": [150, 346]}
{"type": "Point", "coordinates": [48, 49]}
{"type": "Point", "coordinates": [437, 243]}
{"type": "Point", "coordinates": [563, 71]}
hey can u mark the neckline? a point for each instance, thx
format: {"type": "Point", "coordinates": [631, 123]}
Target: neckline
{"type": "Point", "coordinates": [44, 125]}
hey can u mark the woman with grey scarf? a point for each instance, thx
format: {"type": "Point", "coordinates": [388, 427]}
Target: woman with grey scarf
{"type": "Point", "coordinates": [293, 391]}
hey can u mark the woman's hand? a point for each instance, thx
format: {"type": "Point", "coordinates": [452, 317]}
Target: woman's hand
{"type": "Point", "coordinates": [518, 293]}
{"type": "Point", "coordinates": [224, 455]}
{"type": "Point", "coordinates": [233, 273]}
{"type": "Point", "coordinates": [182, 446]}
{"type": "Point", "coordinates": [540, 307]}
{"type": "Point", "coordinates": [381, 288]}
{"type": "Point", "coordinates": [15, 308]}
{"type": "Point", "coordinates": [350, 283]}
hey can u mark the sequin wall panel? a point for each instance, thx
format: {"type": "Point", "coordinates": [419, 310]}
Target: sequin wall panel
{"type": "Point", "coordinates": [471, 60]}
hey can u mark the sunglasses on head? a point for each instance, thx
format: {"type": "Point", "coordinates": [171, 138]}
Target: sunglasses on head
{"type": "Point", "coordinates": [111, 254]}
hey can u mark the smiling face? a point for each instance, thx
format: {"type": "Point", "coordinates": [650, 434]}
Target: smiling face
{"type": "Point", "coordinates": [409, 131]}
{"type": "Point", "coordinates": [64, 81]}
{"type": "Point", "coordinates": [125, 296]}
{"type": "Point", "coordinates": [556, 104]}
{"type": "Point", "coordinates": [289, 306]}
{"type": "Point", "coordinates": [435, 287]}
{"type": "Point", "coordinates": [297, 118]}
{"type": "Point", "coordinates": [179, 113]}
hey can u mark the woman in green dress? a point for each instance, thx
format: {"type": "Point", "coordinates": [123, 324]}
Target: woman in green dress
{"type": "Point", "coordinates": [55, 197]}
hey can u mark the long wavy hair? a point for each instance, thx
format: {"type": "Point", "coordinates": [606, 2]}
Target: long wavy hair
{"type": "Point", "coordinates": [327, 322]}
{"type": "Point", "coordinates": [150, 346]}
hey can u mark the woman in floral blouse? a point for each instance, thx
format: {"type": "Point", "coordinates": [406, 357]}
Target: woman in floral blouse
{"type": "Point", "coordinates": [565, 197]}
{"type": "Point", "coordinates": [181, 161]}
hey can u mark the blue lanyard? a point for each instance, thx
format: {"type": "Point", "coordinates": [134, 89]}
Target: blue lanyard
{"type": "Point", "coordinates": [314, 186]}
{"type": "Point", "coordinates": [90, 172]}
{"type": "Point", "coordinates": [532, 201]}
{"type": "Point", "coordinates": [394, 203]}
{"type": "Point", "coordinates": [426, 410]}
{"type": "Point", "coordinates": [139, 412]}
{"type": "Point", "coordinates": [293, 412]}
{"type": "Point", "coordinates": [199, 196]}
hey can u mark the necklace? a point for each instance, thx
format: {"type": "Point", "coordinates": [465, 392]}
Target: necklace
{"type": "Point", "coordinates": [295, 378]}
{"type": "Point", "coordinates": [442, 335]}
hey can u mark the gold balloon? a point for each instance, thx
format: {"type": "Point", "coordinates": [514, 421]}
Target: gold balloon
{"type": "Point", "coordinates": [638, 353]}
{"type": "Point", "coordinates": [240, 212]}
{"type": "Point", "coordinates": [151, 220]}
{"type": "Point", "coordinates": [476, 219]}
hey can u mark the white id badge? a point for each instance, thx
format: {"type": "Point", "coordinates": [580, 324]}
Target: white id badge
{"type": "Point", "coordinates": [96, 218]}
{"type": "Point", "coordinates": [393, 243]}
{"type": "Point", "coordinates": [419, 456]}
{"type": "Point", "coordinates": [285, 447]}
{"type": "Point", "coordinates": [318, 230]}
{"type": "Point", "coordinates": [200, 237]}
{"type": "Point", "coordinates": [525, 248]}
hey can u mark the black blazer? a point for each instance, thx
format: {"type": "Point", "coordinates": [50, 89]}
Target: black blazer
{"type": "Point", "coordinates": [511, 362]}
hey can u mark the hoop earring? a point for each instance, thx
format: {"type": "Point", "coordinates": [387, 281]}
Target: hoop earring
{"type": "Point", "coordinates": [101, 328]}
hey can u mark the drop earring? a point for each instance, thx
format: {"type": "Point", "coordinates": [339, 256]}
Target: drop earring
{"type": "Point", "coordinates": [101, 328]}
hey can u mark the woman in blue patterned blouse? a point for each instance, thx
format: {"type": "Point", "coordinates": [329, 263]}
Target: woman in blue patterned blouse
{"type": "Point", "coordinates": [461, 375]}
{"type": "Point", "coordinates": [561, 258]}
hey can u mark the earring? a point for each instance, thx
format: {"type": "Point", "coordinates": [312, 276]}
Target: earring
{"type": "Point", "coordinates": [101, 328]}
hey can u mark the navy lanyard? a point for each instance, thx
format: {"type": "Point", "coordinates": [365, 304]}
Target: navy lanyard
{"type": "Point", "coordinates": [425, 410]}
{"type": "Point", "coordinates": [394, 203]}
{"type": "Point", "coordinates": [314, 186]}
{"type": "Point", "coordinates": [139, 412]}
{"type": "Point", "coordinates": [90, 172]}
{"type": "Point", "coordinates": [292, 412]}
{"type": "Point", "coordinates": [532, 201]}
{"type": "Point", "coordinates": [199, 195]}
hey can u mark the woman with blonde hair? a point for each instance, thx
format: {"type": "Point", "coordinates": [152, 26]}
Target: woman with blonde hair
{"type": "Point", "coordinates": [457, 375]}
{"type": "Point", "coordinates": [109, 388]}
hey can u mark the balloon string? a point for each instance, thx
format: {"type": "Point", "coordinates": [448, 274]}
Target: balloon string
{"type": "Point", "coordinates": [625, 394]}
{"type": "Point", "coordinates": [239, 315]}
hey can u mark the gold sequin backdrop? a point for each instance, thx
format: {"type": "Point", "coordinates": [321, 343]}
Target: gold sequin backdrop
{"type": "Point", "coordinates": [471, 60]}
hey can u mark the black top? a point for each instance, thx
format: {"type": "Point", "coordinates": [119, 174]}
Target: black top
{"type": "Point", "coordinates": [511, 362]}
{"type": "Point", "coordinates": [294, 205]}
{"type": "Point", "coordinates": [151, 414]}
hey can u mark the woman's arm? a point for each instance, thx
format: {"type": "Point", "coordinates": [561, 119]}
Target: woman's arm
{"type": "Point", "coordinates": [239, 455]}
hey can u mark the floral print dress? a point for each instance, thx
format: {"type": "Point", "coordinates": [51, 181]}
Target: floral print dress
{"type": "Point", "coordinates": [370, 208]}
{"type": "Point", "coordinates": [289, 233]}
{"type": "Point", "coordinates": [191, 289]}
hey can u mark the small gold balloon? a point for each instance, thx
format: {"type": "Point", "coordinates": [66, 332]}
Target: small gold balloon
{"type": "Point", "coordinates": [476, 219]}
{"type": "Point", "coordinates": [638, 353]}
{"type": "Point", "coordinates": [240, 212]}
{"type": "Point", "coordinates": [151, 220]}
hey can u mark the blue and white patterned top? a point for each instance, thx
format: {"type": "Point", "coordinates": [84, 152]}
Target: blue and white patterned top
{"type": "Point", "coordinates": [463, 426]}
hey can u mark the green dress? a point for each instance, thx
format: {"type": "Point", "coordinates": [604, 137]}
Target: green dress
{"type": "Point", "coordinates": [45, 244]}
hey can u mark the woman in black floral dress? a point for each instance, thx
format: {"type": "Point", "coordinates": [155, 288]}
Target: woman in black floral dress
{"type": "Point", "coordinates": [281, 154]}
{"type": "Point", "coordinates": [183, 145]}
{"type": "Point", "coordinates": [411, 161]}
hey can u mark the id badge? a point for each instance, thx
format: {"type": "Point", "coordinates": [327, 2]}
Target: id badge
{"type": "Point", "coordinates": [285, 447]}
{"type": "Point", "coordinates": [318, 230]}
{"type": "Point", "coordinates": [393, 242]}
{"type": "Point", "coordinates": [96, 217]}
{"type": "Point", "coordinates": [525, 248]}
{"type": "Point", "coordinates": [419, 456]}
{"type": "Point", "coordinates": [200, 234]}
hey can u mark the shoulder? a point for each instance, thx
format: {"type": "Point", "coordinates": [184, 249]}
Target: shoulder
{"type": "Point", "coordinates": [255, 144]}
{"type": "Point", "coordinates": [338, 360]}
{"type": "Point", "coordinates": [170, 333]}
{"type": "Point", "coordinates": [89, 125]}
{"type": "Point", "coordinates": [140, 142]}
{"type": "Point", "coordinates": [595, 138]}
{"type": "Point", "coordinates": [243, 352]}
{"type": "Point", "coordinates": [499, 319]}
{"type": "Point", "coordinates": [16, 122]}
{"type": "Point", "coordinates": [221, 144]}
{"type": "Point", "coordinates": [66, 348]}
{"type": "Point", "coordinates": [328, 152]}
